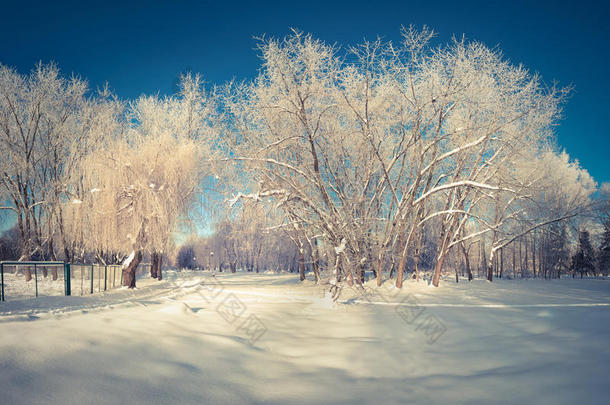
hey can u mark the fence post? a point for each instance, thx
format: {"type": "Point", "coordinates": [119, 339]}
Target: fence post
{"type": "Point", "coordinates": [2, 281]}
{"type": "Point", "coordinates": [105, 275]}
{"type": "Point", "coordinates": [36, 279]}
{"type": "Point", "coordinates": [91, 279]}
{"type": "Point", "coordinates": [67, 278]}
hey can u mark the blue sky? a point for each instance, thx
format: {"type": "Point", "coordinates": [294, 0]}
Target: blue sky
{"type": "Point", "coordinates": [142, 47]}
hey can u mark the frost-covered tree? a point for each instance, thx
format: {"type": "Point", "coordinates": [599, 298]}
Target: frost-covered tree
{"type": "Point", "coordinates": [141, 185]}
{"type": "Point", "coordinates": [553, 189]}
{"type": "Point", "coordinates": [139, 189]}
{"type": "Point", "coordinates": [48, 123]}
{"type": "Point", "coordinates": [366, 151]}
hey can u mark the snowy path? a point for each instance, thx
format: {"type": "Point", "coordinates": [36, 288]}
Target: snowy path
{"type": "Point", "coordinates": [193, 339]}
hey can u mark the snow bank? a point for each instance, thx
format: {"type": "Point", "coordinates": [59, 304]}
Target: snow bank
{"type": "Point", "coordinates": [265, 338]}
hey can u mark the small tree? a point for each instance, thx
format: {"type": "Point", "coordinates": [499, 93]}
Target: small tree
{"type": "Point", "coordinates": [186, 257]}
{"type": "Point", "coordinates": [604, 250]}
{"type": "Point", "coordinates": [10, 244]}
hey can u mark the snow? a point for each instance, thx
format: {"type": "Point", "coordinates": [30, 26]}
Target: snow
{"type": "Point", "coordinates": [248, 338]}
{"type": "Point", "coordinates": [339, 249]}
{"type": "Point", "coordinates": [16, 288]}
{"type": "Point", "coordinates": [255, 196]}
{"type": "Point", "coordinates": [129, 258]}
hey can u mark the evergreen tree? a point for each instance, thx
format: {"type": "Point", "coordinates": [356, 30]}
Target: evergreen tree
{"type": "Point", "coordinates": [186, 257]}
{"type": "Point", "coordinates": [604, 250]}
{"type": "Point", "coordinates": [583, 260]}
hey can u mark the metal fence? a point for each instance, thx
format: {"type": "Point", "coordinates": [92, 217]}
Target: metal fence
{"type": "Point", "coordinates": [31, 279]}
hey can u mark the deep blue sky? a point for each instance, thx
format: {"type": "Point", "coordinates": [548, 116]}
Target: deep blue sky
{"type": "Point", "coordinates": [142, 48]}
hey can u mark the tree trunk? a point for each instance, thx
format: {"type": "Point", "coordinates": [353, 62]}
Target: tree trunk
{"type": "Point", "coordinates": [301, 264]}
{"type": "Point", "coordinates": [490, 269]}
{"type": "Point", "coordinates": [401, 266]}
{"type": "Point", "coordinates": [129, 273]}
{"type": "Point", "coordinates": [337, 269]}
{"type": "Point", "coordinates": [483, 263]}
{"type": "Point", "coordinates": [159, 263]}
{"type": "Point", "coordinates": [526, 254]}
{"type": "Point", "coordinates": [53, 258]}
{"type": "Point", "coordinates": [349, 277]}
{"type": "Point", "coordinates": [316, 258]}
{"type": "Point", "coordinates": [25, 256]}
{"type": "Point", "coordinates": [153, 265]}
{"type": "Point", "coordinates": [360, 274]}
{"type": "Point", "coordinates": [488, 263]}
{"type": "Point", "coordinates": [540, 257]}
{"type": "Point", "coordinates": [480, 259]}
{"type": "Point", "coordinates": [403, 259]}
{"type": "Point", "coordinates": [501, 262]}
{"type": "Point", "coordinates": [437, 270]}
{"type": "Point", "coordinates": [520, 257]}
{"type": "Point", "coordinates": [534, 253]}
{"type": "Point", "coordinates": [467, 261]}
{"type": "Point", "coordinates": [441, 255]}
{"type": "Point", "coordinates": [490, 266]}
{"type": "Point", "coordinates": [514, 261]}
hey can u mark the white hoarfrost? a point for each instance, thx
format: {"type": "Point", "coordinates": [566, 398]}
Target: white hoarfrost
{"type": "Point", "coordinates": [339, 249]}
{"type": "Point", "coordinates": [255, 196]}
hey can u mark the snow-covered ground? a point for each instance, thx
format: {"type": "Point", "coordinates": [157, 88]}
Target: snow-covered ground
{"type": "Point", "coordinates": [265, 338]}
